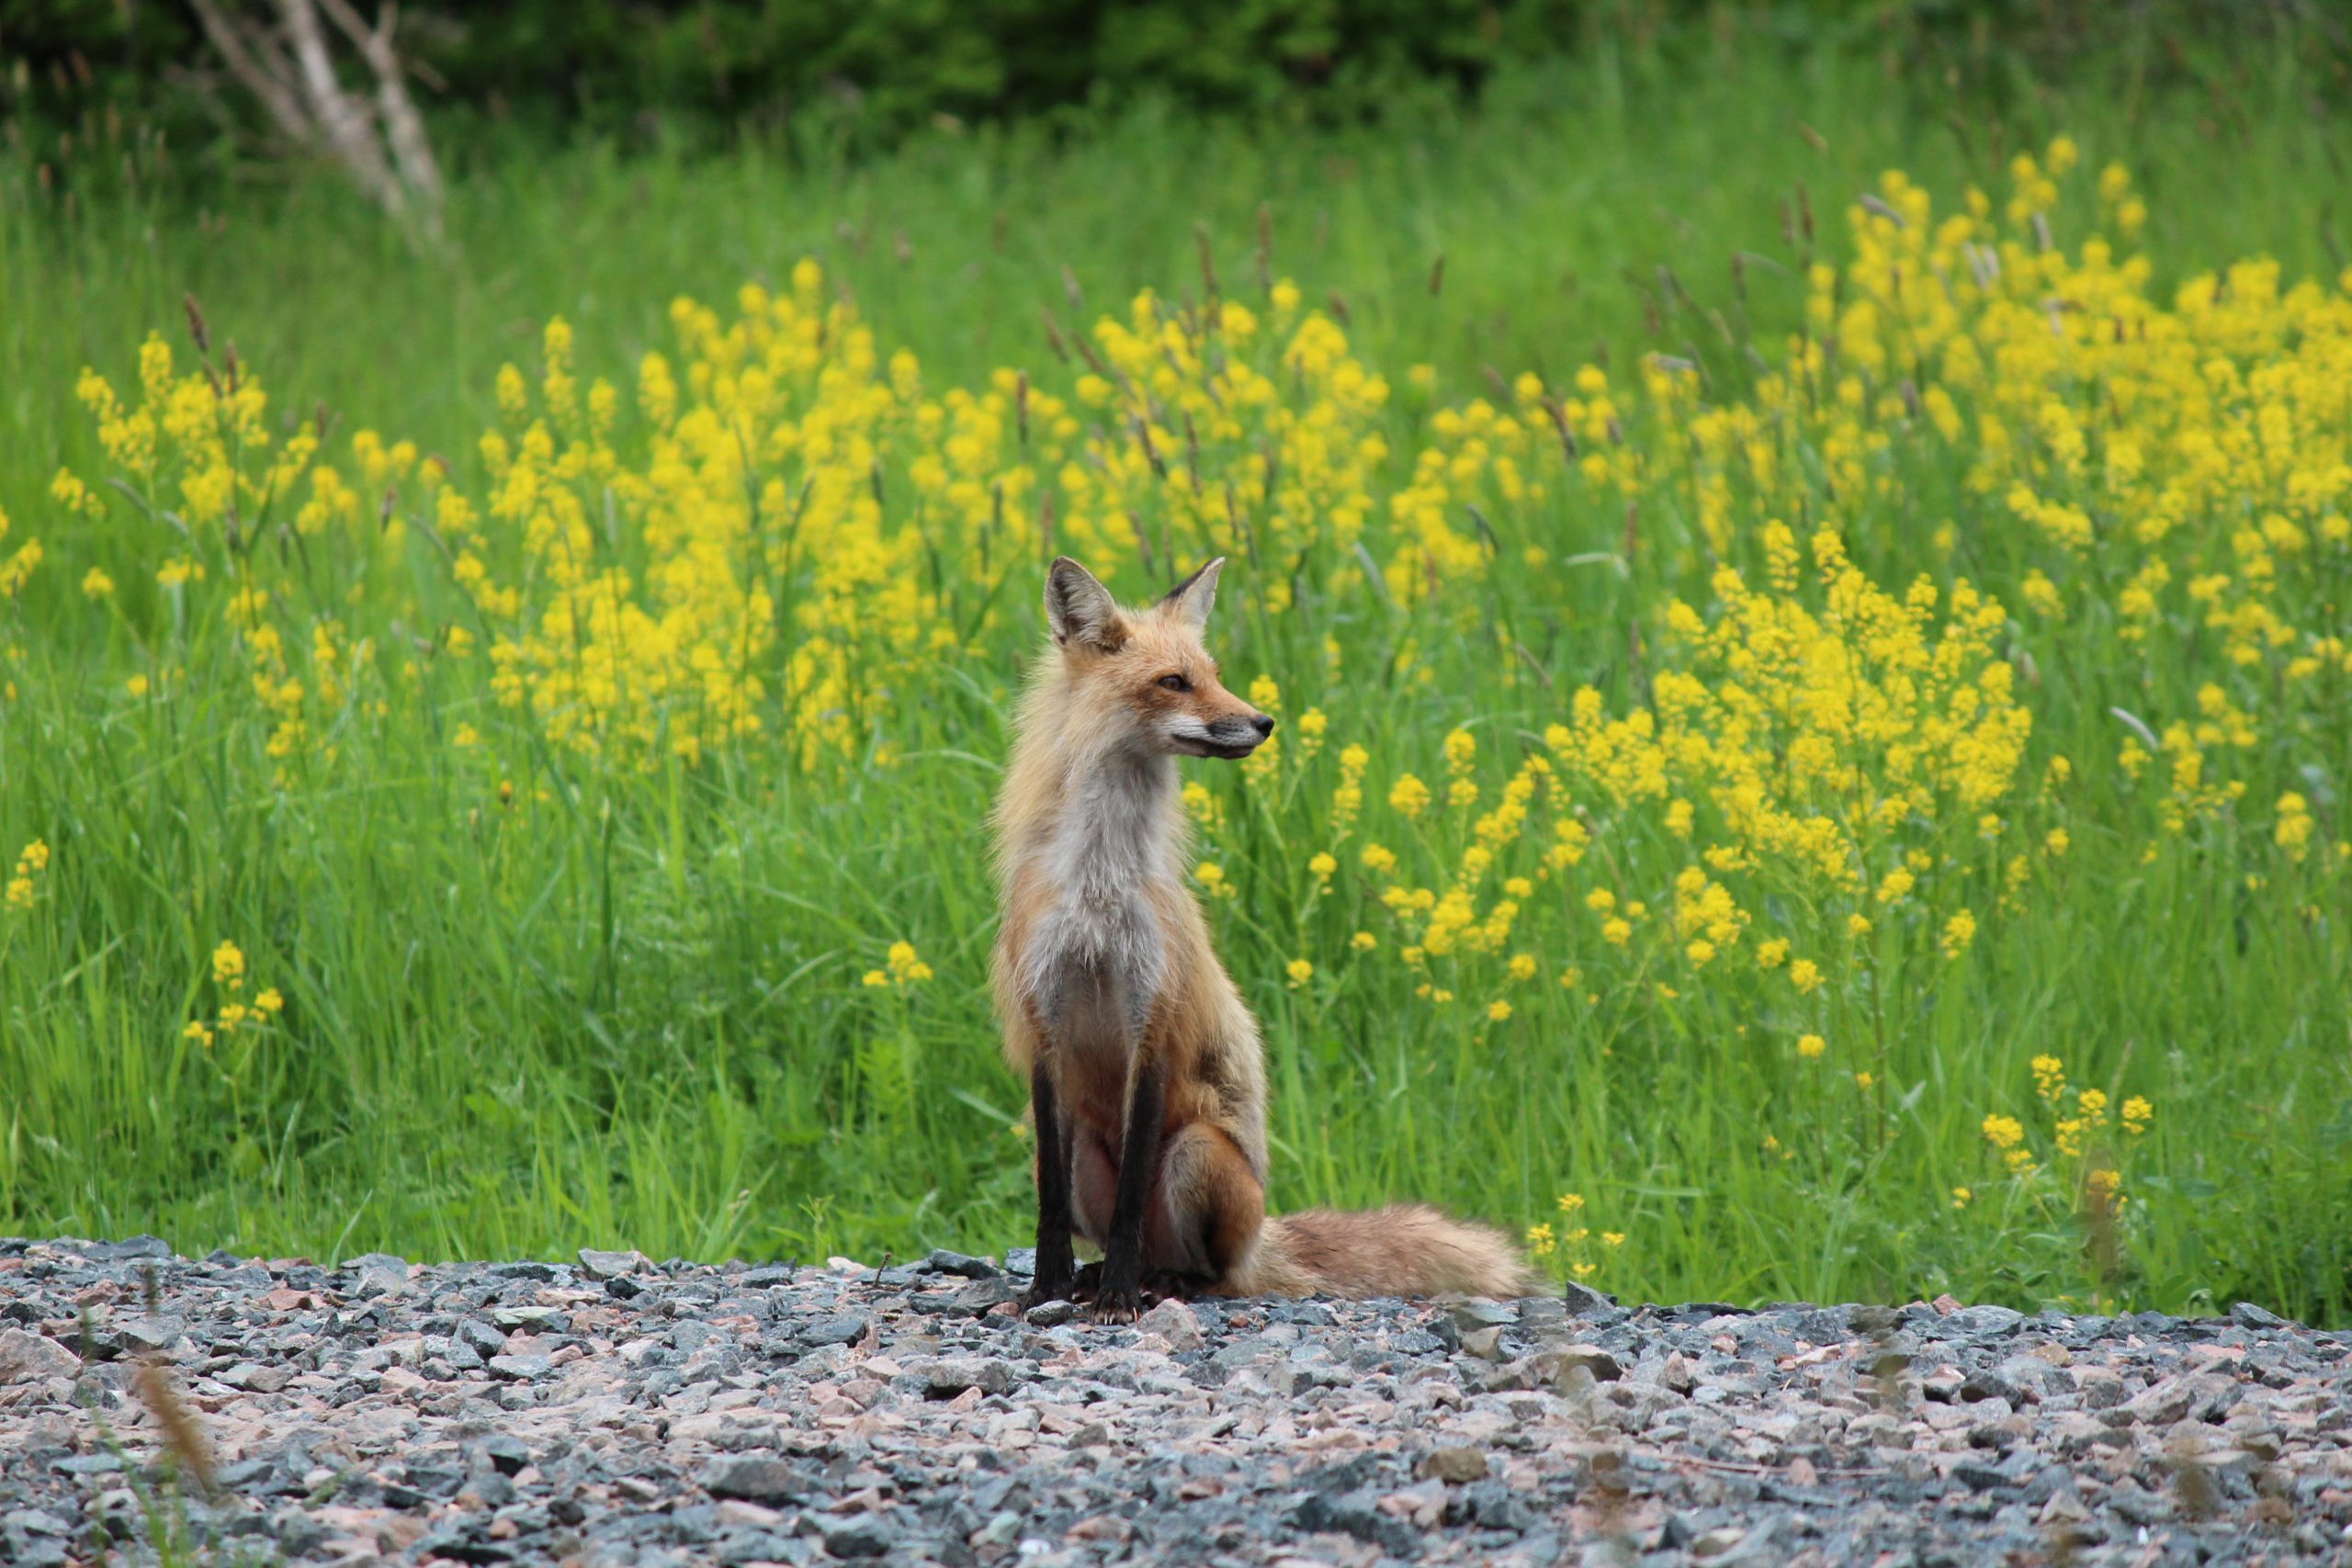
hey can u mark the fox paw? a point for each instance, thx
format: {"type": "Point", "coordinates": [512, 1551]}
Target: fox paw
{"type": "Point", "coordinates": [1118, 1305]}
{"type": "Point", "coordinates": [1057, 1278]}
{"type": "Point", "coordinates": [1169, 1286]}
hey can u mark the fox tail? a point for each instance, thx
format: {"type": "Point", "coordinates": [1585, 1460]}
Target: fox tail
{"type": "Point", "coordinates": [1404, 1250]}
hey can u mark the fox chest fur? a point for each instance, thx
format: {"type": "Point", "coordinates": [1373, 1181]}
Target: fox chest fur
{"type": "Point", "coordinates": [1093, 951]}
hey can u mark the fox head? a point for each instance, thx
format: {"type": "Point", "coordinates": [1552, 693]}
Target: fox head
{"type": "Point", "coordinates": [1144, 676]}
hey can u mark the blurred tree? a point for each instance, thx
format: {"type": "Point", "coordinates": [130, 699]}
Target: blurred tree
{"type": "Point", "coordinates": [872, 69]}
{"type": "Point", "coordinates": [283, 58]}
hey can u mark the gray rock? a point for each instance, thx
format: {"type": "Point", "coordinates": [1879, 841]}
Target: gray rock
{"type": "Point", "coordinates": [1489, 1505]}
{"type": "Point", "coordinates": [1470, 1316]}
{"type": "Point", "coordinates": [2162, 1403]}
{"type": "Point", "coordinates": [757, 1479]}
{"type": "Point", "coordinates": [522, 1368]}
{"type": "Point", "coordinates": [1979, 1477]}
{"type": "Point", "coordinates": [700, 1410]}
{"type": "Point", "coordinates": [950, 1375]}
{"type": "Point", "coordinates": [375, 1274]}
{"type": "Point", "coordinates": [1822, 1326]}
{"type": "Point", "coordinates": [1730, 1546]}
{"type": "Point", "coordinates": [1486, 1343]}
{"type": "Point", "coordinates": [943, 1261]}
{"type": "Point", "coordinates": [31, 1357]}
{"type": "Point", "coordinates": [2246, 1315]}
{"type": "Point", "coordinates": [1176, 1323]}
{"type": "Point", "coordinates": [838, 1328]}
{"type": "Point", "coordinates": [975, 1300]}
{"type": "Point", "coordinates": [1357, 1514]}
{"type": "Point", "coordinates": [2104, 1394]}
{"type": "Point", "coordinates": [257, 1378]}
{"type": "Point", "coordinates": [1582, 1300]}
{"type": "Point", "coordinates": [1984, 1322]}
{"type": "Point", "coordinates": [148, 1335]}
{"type": "Point", "coordinates": [1592, 1359]}
{"type": "Point", "coordinates": [507, 1455]}
{"type": "Point", "coordinates": [1001, 1529]}
{"type": "Point", "coordinates": [860, 1538]}
{"type": "Point", "coordinates": [1987, 1382]}
{"type": "Point", "coordinates": [1456, 1465]}
{"type": "Point", "coordinates": [602, 1266]}
{"type": "Point", "coordinates": [36, 1521]}
{"type": "Point", "coordinates": [480, 1337]}
{"type": "Point", "coordinates": [536, 1318]}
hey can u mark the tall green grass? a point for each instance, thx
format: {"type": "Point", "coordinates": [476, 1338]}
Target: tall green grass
{"type": "Point", "coordinates": [632, 1017]}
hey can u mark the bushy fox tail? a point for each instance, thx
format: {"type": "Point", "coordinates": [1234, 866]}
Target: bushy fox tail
{"type": "Point", "coordinates": [1406, 1249]}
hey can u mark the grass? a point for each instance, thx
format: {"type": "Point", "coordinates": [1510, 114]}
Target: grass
{"type": "Point", "coordinates": [625, 1008]}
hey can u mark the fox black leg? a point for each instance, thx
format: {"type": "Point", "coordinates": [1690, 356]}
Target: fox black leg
{"type": "Point", "coordinates": [1056, 1268]}
{"type": "Point", "coordinates": [1170, 1286]}
{"type": "Point", "coordinates": [1121, 1297]}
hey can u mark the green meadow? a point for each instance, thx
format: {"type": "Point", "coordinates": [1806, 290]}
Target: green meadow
{"type": "Point", "coordinates": [580, 933]}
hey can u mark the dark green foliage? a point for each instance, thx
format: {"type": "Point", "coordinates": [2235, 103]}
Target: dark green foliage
{"type": "Point", "coordinates": [697, 71]}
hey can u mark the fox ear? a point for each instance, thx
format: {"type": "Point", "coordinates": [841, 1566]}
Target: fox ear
{"type": "Point", "coordinates": [1081, 610]}
{"type": "Point", "coordinates": [1193, 597]}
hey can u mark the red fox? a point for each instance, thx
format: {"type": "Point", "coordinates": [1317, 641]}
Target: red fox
{"type": "Point", "coordinates": [1145, 1076]}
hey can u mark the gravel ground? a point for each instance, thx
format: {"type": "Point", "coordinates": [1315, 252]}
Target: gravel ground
{"type": "Point", "coordinates": [610, 1410]}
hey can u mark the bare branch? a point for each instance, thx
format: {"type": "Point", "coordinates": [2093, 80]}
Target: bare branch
{"type": "Point", "coordinates": [289, 69]}
{"type": "Point", "coordinates": [276, 94]}
{"type": "Point", "coordinates": [402, 126]}
{"type": "Point", "coordinates": [346, 122]}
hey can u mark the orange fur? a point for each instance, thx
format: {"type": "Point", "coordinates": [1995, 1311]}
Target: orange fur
{"type": "Point", "coordinates": [1103, 969]}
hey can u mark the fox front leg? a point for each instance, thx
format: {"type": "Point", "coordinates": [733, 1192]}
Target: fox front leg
{"type": "Point", "coordinates": [1056, 1268]}
{"type": "Point", "coordinates": [1121, 1297]}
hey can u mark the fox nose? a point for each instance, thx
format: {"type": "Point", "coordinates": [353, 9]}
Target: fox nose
{"type": "Point", "coordinates": [1262, 723]}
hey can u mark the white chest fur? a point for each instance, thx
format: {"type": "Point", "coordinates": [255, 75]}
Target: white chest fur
{"type": "Point", "coordinates": [1096, 959]}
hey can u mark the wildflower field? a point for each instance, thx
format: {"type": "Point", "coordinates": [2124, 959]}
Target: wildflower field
{"type": "Point", "coordinates": [1814, 669]}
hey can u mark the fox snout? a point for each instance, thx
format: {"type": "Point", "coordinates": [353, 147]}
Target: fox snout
{"type": "Point", "coordinates": [1237, 735]}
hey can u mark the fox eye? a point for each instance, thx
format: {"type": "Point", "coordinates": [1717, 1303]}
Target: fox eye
{"type": "Point", "coordinates": [1175, 683]}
